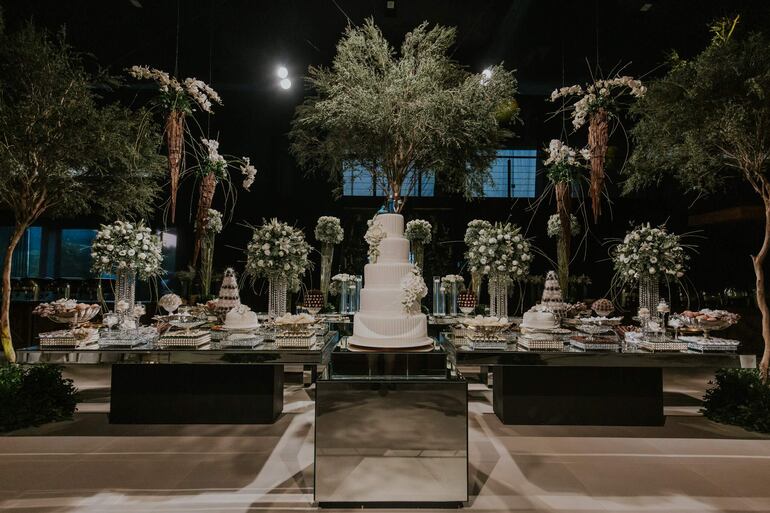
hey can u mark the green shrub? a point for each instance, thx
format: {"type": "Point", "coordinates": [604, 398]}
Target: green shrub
{"type": "Point", "coordinates": [31, 395]}
{"type": "Point", "coordinates": [739, 397]}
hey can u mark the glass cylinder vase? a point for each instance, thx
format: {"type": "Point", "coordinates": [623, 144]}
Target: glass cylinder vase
{"type": "Point", "coordinates": [476, 279]}
{"type": "Point", "coordinates": [454, 292]}
{"type": "Point", "coordinates": [418, 252]}
{"type": "Point", "coordinates": [125, 297]}
{"type": "Point", "coordinates": [327, 254]}
{"type": "Point", "coordinates": [498, 296]}
{"type": "Point", "coordinates": [649, 293]}
{"type": "Point", "coordinates": [439, 305]}
{"type": "Point", "coordinates": [207, 265]}
{"type": "Point", "coordinates": [277, 294]}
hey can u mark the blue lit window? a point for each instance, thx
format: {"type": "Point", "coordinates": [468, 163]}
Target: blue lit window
{"type": "Point", "coordinates": [358, 182]}
{"type": "Point", "coordinates": [513, 174]}
{"type": "Point", "coordinates": [75, 256]}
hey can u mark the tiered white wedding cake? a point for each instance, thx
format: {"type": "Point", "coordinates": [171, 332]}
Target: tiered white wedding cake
{"type": "Point", "coordinates": [382, 321]}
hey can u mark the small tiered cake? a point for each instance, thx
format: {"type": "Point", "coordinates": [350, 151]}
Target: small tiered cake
{"type": "Point", "coordinates": [229, 296]}
{"type": "Point", "coordinates": [552, 291]}
{"type": "Point", "coordinates": [382, 321]}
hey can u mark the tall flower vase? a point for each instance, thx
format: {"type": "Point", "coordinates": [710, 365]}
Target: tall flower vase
{"type": "Point", "coordinates": [125, 297]}
{"type": "Point", "coordinates": [207, 264]}
{"type": "Point", "coordinates": [649, 293]}
{"type": "Point", "coordinates": [454, 291]}
{"type": "Point", "coordinates": [439, 302]}
{"type": "Point", "coordinates": [278, 286]}
{"type": "Point", "coordinates": [476, 279]}
{"type": "Point", "coordinates": [418, 252]}
{"type": "Point", "coordinates": [498, 296]}
{"type": "Point", "coordinates": [327, 254]}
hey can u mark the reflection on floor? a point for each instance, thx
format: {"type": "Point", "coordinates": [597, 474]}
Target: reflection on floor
{"type": "Point", "coordinates": [88, 465]}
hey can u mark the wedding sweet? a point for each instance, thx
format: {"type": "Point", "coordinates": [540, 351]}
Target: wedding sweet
{"type": "Point", "coordinates": [389, 316]}
{"type": "Point", "coordinates": [170, 302]}
{"type": "Point", "coordinates": [552, 297]}
{"type": "Point", "coordinates": [603, 307]}
{"type": "Point", "coordinates": [539, 318]}
{"type": "Point", "coordinates": [229, 295]}
{"type": "Point", "coordinates": [241, 317]}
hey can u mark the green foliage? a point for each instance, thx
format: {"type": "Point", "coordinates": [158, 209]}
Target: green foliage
{"type": "Point", "coordinates": [395, 112]}
{"type": "Point", "coordinates": [31, 395]}
{"type": "Point", "coordinates": [64, 151]}
{"type": "Point", "coordinates": [739, 397]}
{"type": "Point", "coordinates": [706, 118]}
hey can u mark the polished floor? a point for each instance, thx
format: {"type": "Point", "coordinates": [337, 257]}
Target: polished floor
{"type": "Point", "coordinates": [88, 465]}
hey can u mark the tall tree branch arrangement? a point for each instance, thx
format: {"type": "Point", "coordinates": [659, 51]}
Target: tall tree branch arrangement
{"type": "Point", "coordinates": [63, 150]}
{"type": "Point", "coordinates": [398, 114]}
{"type": "Point", "coordinates": [706, 121]}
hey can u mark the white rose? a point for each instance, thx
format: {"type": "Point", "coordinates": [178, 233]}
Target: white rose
{"type": "Point", "coordinates": [105, 259]}
{"type": "Point", "coordinates": [493, 240]}
{"type": "Point", "coordinates": [110, 247]}
{"type": "Point", "coordinates": [122, 252]}
{"type": "Point", "coordinates": [131, 252]}
{"type": "Point", "coordinates": [652, 270]}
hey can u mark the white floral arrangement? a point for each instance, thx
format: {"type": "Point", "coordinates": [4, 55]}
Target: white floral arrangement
{"type": "Point", "coordinates": [177, 95]}
{"type": "Point", "coordinates": [474, 227]}
{"type": "Point", "coordinates": [278, 250]}
{"type": "Point", "coordinates": [554, 225]}
{"type": "Point", "coordinates": [413, 289]}
{"type": "Point", "coordinates": [248, 171]}
{"type": "Point", "coordinates": [563, 160]}
{"type": "Point", "coordinates": [647, 251]}
{"type": "Point", "coordinates": [374, 235]}
{"type": "Point", "coordinates": [214, 221]}
{"type": "Point", "coordinates": [452, 278]}
{"type": "Point", "coordinates": [328, 230]}
{"type": "Point", "coordinates": [126, 246]}
{"type": "Point", "coordinates": [500, 249]}
{"type": "Point", "coordinates": [335, 287]}
{"type": "Point", "coordinates": [212, 161]}
{"type": "Point", "coordinates": [418, 231]}
{"type": "Point", "coordinates": [600, 94]}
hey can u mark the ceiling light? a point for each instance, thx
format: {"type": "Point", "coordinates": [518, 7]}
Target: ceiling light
{"type": "Point", "coordinates": [282, 72]}
{"type": "Point", "coordinates": [285, 83]}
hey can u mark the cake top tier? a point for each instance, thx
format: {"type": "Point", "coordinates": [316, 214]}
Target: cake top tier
{"type": "Point", "coordinates": [393, 224]}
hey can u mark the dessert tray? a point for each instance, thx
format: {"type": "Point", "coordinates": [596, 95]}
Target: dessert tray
{"type": "Point", "coordinates": [541, 342]}
{"type": "Point", "coordinates": [596, 343]}
{"type": "Point", "coordinates": [184, 339]}
{"type": "Point", "coordinates": [238, 340]}
{"type": "Point", "coordinates": [127, 338]}
{"type": "Point", "coordinates": [666, 345]}
{"type": "Point", "coordinates": [704, 345]}
{"type": "Point", "coordinates": [295, 331]}
{"type": "Point", "coordinates": [68, 339]}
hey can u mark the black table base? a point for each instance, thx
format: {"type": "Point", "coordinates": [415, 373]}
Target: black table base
{"type": "Point", "coordinates": [196, 394]}
{"type": "Point", "coordinates": [607, 396]}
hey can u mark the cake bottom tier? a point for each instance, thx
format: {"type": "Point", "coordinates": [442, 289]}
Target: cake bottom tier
{"type": "Point", "coordinates": [390, 331]}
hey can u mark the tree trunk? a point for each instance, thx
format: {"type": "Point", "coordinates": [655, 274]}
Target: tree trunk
{"type": "Point", "coordinates": [5, 311]}
{"type": "Point", "coordinates": [564, 209]}
{"type": "Point", "coordinates": [759, 272]}
{"type": "Point", "coordinates": [598, 136]}
{"type": "Point", "coordinates": [175, 144]}
{"type": "Point", "coordinates": [205, 199]}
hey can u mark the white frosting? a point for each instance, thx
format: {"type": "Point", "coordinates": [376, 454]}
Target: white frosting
{"type": "Point", "coordinates": [241, 317]}
{"type": "Point", "coordinates": [381, 321]}
{"type": "Point", "coordinates": [539, 320]}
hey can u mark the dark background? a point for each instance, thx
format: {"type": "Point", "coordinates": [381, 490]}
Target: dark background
{"type": "Point", "coordinates": [236, 45]}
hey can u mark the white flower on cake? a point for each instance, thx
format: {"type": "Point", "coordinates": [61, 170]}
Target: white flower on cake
{"type": "Point", "coordinates": [328, 230]}
{"type": "Point", "coordinates": [118, 246]}
{"type": "Point", "coordinates": [413, 289]}
{"type": "Point", "coordinates": [374, 235]}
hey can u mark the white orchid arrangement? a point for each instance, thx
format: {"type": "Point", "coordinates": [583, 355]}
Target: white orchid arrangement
{"type": "Point", "coordinates": [278, 250]}
{"type": "Point", "coordinates": [214, 223]}
{"type": "Point", "coordinates": [650, 252]}
{"type": "Point", "coordinates": [337, 282]}
{"type": "Point", "coordinates": [248, 171]}
{"type": "Point", "coordinates": [600, 94]}
{"type": "Point", "coordinates": [126, 246]}
{"type": "Point", "coordinates": [500, 250]}
{"type": "Point", "coordinates": [554, 225]}
{"type": "Point", "coordinates": [563, 160]}
{"type": "Point", "coordinates": [452, 278]}
{"type": "Point", "coordinates": [176, 95]}
{"type": "Point", "coordinates": [418, 231]}
{"type": "Point", "coordinates": [211, 161]}
{"type": "Point", "coordinates": [413, 289]}
{"type": "Point", "coordinates": [328, 230]}
{"type": "Point", "coordinates": [374, 235]}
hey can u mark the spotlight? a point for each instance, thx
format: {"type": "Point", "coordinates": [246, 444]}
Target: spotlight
{"type": "Point", "coordinates": [282, 72]}
{"type": "Point", "coordinates": [486, 76]}
{"type": "Point", "coordinates": [285, 83]}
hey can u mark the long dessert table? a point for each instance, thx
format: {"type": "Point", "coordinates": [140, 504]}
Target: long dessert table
{"type": "Point", "coordinates": [575, 387]}
{"type": "Point", "coordinates": [207, 385]}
